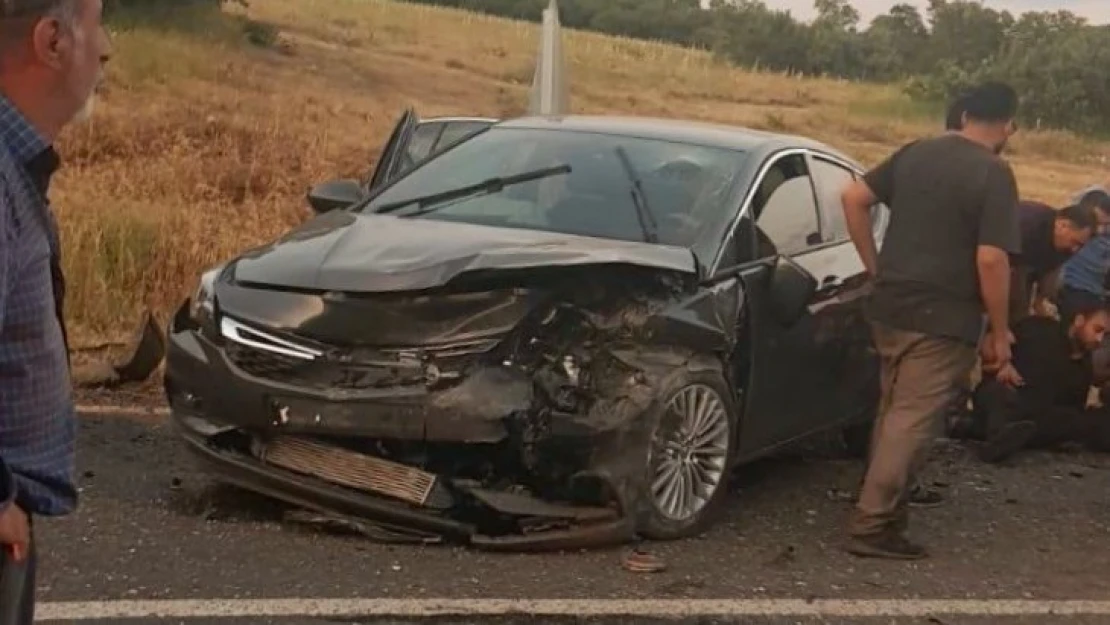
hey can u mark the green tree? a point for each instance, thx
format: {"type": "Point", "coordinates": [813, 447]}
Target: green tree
{"type": "Point", "coordinates": [834, 43]}
{"type": "Point", "coordinates": [895, 43]}
{"type": "Point", "coordinates": [1058, 62]}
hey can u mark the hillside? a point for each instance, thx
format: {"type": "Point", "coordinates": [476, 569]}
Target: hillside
{"type": "Point", "coordinates": [206, 138]}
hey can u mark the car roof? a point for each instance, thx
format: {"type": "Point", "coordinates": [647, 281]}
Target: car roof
{"type": "Point", "coordinates": [687, 131]}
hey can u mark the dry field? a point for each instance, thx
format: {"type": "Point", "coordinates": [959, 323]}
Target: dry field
{"type": "Point", "coordinates": [204, 143]}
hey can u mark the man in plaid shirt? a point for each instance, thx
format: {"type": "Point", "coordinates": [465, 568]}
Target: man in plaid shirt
{"type": "Point", "coordinates": [51, 55]}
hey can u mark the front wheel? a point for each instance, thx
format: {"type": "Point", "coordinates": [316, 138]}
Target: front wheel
{"type": "Point", "coordinates": [690, 456]}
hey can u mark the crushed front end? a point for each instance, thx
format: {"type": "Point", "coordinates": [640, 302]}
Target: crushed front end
{"type": "Point", "coordinates": [506, 412]}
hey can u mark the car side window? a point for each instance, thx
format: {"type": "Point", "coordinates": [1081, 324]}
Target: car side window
{"type": "Point", "coordinates": [830, 179]}
{"type": "Point", "coordinates": [424, 138]}
{"type": "Point", "coordinates": [430, 137]}
{"type": "Point", "coordinates": [786, 209]}
{"type": "Point", "coordinates": [454, 131]}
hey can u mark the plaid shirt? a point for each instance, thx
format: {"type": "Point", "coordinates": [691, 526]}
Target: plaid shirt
{"type": "Point", "coordinates": [37, 416]}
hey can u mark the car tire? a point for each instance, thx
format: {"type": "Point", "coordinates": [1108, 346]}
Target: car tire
{"type": "Point", "coordinates": [653, 522]}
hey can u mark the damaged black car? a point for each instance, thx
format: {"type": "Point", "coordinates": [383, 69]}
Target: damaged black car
{"type": "Point", "coordinates": [546, 332]}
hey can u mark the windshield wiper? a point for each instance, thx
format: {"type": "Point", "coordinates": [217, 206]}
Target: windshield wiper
{"type": "Point", "coordinates": [639, 199]}
{"type": "Point", "coordinates": [491, 185]}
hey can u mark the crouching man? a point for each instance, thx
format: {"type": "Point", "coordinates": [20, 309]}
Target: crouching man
{"type": "Point", "coordinates": [1039, 399]}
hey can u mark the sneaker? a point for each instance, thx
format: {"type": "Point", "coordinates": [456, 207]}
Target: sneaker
{"type": "Point", "coordinates": [888, 545]}
{"type": "Point", "coordinates": [922, 497]}
{"type": "Point", "coordinates": [1008, 441]}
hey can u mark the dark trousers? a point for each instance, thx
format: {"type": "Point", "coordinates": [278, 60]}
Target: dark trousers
{"type": "Point", "coordinates": [996, 405]}
{"type": "Point", "coordinates": [22, 606]}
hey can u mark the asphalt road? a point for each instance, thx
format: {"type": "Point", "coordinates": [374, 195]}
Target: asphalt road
{"type": "Point", "coordinates": [151, 528]}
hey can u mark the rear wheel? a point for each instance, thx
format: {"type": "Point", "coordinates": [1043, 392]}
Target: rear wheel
{"type": "Point", "coordinates": [690, 456]}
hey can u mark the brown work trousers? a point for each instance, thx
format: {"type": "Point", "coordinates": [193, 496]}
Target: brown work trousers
{"type": "Point", "coordinates": [922, 376]}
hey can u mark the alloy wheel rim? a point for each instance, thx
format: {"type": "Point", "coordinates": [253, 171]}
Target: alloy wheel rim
{"type": "Point", "coordinates": [689, 452]}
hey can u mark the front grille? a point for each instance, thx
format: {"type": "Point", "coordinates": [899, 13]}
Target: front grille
{"type": "Point", "coordinates": [321, 374]}
{"type": "Point", "coordinates": [348, 468]}
{"type": "Point", "coordinates": [263, 355]}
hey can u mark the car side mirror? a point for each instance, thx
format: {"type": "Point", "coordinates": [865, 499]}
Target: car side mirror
{"type": "Point", "coordinates": [792, 288]}
{"type": "Point", "coordinates": [334, 194]}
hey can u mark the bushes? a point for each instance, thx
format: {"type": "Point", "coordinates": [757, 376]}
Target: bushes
{"type": "Point", "coordinates": [1059, 63]}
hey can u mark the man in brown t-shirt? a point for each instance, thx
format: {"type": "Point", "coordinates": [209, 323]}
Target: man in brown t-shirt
{"type": "Point", "coordinates": [944, 263]}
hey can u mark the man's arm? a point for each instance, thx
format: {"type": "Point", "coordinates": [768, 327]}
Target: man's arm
{"type": "Point", "coordinates": [7, 486]}
{"type": "Point", "coordinates": [1047, 287]}
{"type": "Point", "coordinates": [857, 199]}
{"type": "Point", "coordinates": [8, 237]}
{"type": "Point", "coordinates": [999, 236]}
{"type": "Point", "coordinates": [993, 265]}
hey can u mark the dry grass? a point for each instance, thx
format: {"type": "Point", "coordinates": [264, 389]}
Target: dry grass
{"type": "Point", "coordinates": [204, 144]}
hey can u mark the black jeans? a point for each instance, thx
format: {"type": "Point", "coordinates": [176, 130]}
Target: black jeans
{"type": "Point", "coordinates": [21, 607]}
{"type": "Point", "coordinates": [997, 405]}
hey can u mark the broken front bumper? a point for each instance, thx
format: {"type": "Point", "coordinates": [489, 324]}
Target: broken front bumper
{"type": "Point", "coordinates": [270, 439]}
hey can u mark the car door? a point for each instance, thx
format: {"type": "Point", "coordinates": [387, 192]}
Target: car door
{"type": "Point", "coordinates": [843, 337]}
{"type": "Point", "coordinates": [413, 140]}
{"type": "Point", "coordinates": [789, 381]}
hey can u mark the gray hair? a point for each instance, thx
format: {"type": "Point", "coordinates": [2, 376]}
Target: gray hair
{"type": "Point", "coordinates": [15, 15]}
{"type": "Point", "coordinates": [24, 10]}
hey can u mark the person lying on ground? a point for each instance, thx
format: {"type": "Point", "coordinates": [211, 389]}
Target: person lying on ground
{"type": "Point", "coordinates": [1051, 239]}
{"type": "Point", "coordinates": [1039, 399]}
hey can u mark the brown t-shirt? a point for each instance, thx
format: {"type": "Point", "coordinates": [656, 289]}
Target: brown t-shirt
{"type": "Point", "coordinates": [947, 196]}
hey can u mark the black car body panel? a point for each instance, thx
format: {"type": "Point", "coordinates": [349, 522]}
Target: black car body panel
{"type": "Point", "coordinates": [352, 253]}
{"type": "Point", "coordinates": [501, 386]}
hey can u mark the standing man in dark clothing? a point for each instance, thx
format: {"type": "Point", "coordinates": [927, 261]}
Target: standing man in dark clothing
{"type": "Point", "coordinates": [944, 262]}
{"type": "Point", "coordinates": [1040, 398]}
{"type": "Point", "coordinates": [51, 53]}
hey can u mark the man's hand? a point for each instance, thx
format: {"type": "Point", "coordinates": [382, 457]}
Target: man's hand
{"type": "Point", "coordinates": [1000, 343]}
{"type": "Point", "coordinates": [1009, 376]}
{"type": "Point", "coordinates": [15, 532]}
{"type": "Point", "coordinates": [994, 351]}
{"type": "Point", "coordinates": [1042, 307]}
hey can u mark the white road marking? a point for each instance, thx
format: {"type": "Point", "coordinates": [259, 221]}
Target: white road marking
{"type": "Point", "coordinates": [123, 410]}
{"type": "Point", "coordinates": [410, 608]}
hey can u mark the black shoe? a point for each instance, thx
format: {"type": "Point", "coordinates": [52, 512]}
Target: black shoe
{"type": "Point", "coordinates": [888, 545]}
{"type": "Point", "coordinates": [962, 427]}
{"type": "Point", "coordinates": [1009, 440]}
{"type": "Point", "coordinates": [921, 497]}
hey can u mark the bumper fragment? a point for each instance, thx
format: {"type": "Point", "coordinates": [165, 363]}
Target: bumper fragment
{"type": "Point", "coordinates": [394, 506]}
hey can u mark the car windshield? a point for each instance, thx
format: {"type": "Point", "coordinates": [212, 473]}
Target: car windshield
{"type": "Point", "coordinates": [519, 178]}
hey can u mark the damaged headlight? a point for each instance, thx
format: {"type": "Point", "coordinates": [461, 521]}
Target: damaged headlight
{"type": "Point", "coordinates": [202, 308]}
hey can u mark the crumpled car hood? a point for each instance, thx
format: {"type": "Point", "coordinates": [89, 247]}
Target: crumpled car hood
{"type": "Point", "coordinates": [343, 251]}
